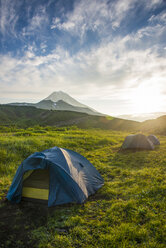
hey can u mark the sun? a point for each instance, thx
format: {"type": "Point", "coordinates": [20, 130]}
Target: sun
{"type": "Point", "coordinates": [146, 100]}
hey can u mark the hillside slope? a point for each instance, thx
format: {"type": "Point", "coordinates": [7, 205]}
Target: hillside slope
{"type": "Point", "coordinates": [142, 116]}
{"type": "Point", "coordinates": [29, 116]}
{"type": "Point", "coordinates": [157, 126]}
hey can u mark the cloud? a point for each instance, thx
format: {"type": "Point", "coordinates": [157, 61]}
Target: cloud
{"type": "Point", "coordinates": [8, 17]}
{"type": "Point", "coordinates": [160, 18]}
{"type": "Point", "coordinates": [19, 19]}
{"type": "Point", "coordinates": [37, 22]}
{"type": "Point", "coordinates": [93, 15]}
{"type": "Point", "coordinates": [110, 71]}
{"type": "Point", "coordinates": [151, 4]}
{"type": "Point", "coordinates": [101, 16]}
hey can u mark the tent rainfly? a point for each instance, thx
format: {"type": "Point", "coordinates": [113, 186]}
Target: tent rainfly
{"type": "Point", "coordinates": [154, 140]}
{"type": "Point", "coordinates": [56, 175]}
{"type": "Point", "coordinates": [137, 141]}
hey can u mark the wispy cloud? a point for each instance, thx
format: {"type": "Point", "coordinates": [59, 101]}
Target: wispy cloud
{"type": "Point", "coordinates": [37, 22]}
{"type": "Point", "coordinates": [91, 15]}
{"type": "Point", "coordinates": [150, 4]}
{"type": "Point", "coordinates": [160, 18]}
{"type": "Point", "coordinates": [8, 17]}
{"type": "Point", "coordinates": [101, 16]}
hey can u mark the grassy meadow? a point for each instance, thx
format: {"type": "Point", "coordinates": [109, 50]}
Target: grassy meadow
{"type": "Point", "coordinates": [128, 211]}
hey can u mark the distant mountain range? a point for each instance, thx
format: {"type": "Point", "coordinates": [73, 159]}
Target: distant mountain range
{"type": "Point", "coordinates": [28, 116]}
{"type": "Point", "coordinates": [142, 117]}
{"type": "Point", "coordinates": [60, 101]}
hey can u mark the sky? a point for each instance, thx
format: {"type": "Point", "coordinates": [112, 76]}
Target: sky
{"type": "Point", "coordinates": [108, 54]}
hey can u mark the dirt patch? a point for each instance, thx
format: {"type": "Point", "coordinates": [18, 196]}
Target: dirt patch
{"type": "Point", "coordinates": [18, 220]}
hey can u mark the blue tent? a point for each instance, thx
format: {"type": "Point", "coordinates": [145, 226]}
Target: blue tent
{"type": "Point", "coordinates": [72, 178]}
{"type": "Point", "coordinates": [154, 140]}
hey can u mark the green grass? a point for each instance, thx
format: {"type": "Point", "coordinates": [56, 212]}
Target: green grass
{"type": "Point", "coordinates": [128, 211]}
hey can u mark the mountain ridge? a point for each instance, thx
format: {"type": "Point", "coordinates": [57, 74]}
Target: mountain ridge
{"type": "Point", "coordinates": [23, 116]}
{"type": "Point", "coordinates": [27, 116]}
{"type": "Point", "coordinates": [62, 105]}
{"type": "Point", "coordinates": [59, 100]}
{"type": "Point", "coordinates": [60, 95]}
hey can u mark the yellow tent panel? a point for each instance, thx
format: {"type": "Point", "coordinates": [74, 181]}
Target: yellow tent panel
{"type": "Point", "coordinates": [36, 184]}
{"type": "Point", "coordinates": [35, 193]}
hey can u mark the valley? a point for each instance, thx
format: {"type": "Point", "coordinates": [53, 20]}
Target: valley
{"type": "Point", "coordinates": [128, 211]}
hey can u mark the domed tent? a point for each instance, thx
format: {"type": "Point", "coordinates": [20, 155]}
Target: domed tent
{"type": "Point", "coordinates": [57, 175]}
{"type": "Point", "coordinates": [137, 141]}
{"type": "Point", "coordinates": [154, 139]}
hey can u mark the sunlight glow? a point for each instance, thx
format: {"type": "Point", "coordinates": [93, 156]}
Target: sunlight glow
{"type": "Point", "coordinates": [146, 99]}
